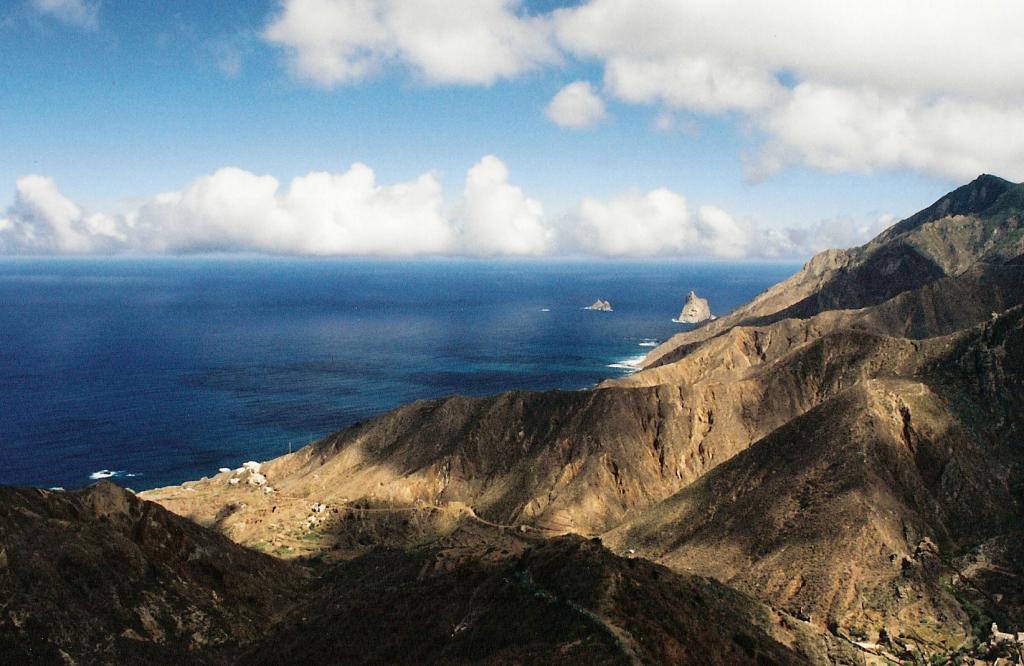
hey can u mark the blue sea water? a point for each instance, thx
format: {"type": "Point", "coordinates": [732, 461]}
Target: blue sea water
{"type": "Point", "coordinates": [157, 371]}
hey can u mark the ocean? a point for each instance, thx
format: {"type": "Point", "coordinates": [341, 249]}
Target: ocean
{"type": "Point", "coordinates": [156, 371]}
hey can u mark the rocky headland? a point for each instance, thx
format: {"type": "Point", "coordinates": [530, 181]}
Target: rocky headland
{"type": "Point", "coordinates": [830, 474]}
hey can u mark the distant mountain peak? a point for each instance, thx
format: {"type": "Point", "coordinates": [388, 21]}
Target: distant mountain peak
{"type": "Point", "coordinates": [970, 199]}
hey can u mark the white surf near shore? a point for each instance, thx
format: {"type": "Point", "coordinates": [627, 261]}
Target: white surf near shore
{"type": "Point", "coordinates": [631, 364]}
{"type": "Point", "coordinates": [110, 473]}
{"type": "Point", "coordinates": [648, 342]}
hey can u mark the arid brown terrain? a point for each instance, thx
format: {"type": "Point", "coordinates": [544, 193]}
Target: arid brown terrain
{"type": "Point", "coordinates": [832, 473]}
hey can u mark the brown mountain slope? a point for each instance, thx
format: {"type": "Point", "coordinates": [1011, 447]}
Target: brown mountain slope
{"type": "Point", "coordinates": [478, 597]}
{"type": "Point", "coordinates": [850, 513]}
{"type": "Point", "coordinates": [99, 576]}
{"type": "Point", "coordinates": [556, 462]}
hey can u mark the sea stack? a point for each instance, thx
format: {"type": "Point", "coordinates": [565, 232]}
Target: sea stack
{"type": "Point", "coordinates": [695, 310]}
{"type": "Point", "coordinates": [600, 304]}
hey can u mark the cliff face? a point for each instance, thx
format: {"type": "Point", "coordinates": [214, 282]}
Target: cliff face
{"type": "Point", "coordinates": [845, 449]}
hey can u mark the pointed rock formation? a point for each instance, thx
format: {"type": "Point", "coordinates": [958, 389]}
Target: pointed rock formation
{"type": "Point", "coordinates": [601, 305]}
{"type": "Point", "coordinates": [695, 310]}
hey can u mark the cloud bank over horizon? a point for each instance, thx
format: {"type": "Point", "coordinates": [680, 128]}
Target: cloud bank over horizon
{"type": "Point", "coordinates": [351, 214]}
{"type": "Point", "coordinates": [881, 84]}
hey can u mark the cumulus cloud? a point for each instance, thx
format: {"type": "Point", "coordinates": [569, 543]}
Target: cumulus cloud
{"type": "Point", "coordinates": [842, 129]}
{"type": "Point", "coordinates": [320, 213]}
{"type": "Point", "coordinates": [351, 214]}
{"type": "Point", "coordinates": [235, 210]}
{"type": "Point", "coordinates": [871, 85]}
{"type": "Point", "coordinates": [42, 221]}
{"type": "Point", "coordinates": [723, 235]}
{"type": "Point", "coordinates": [334, 42]}
{"type": "Point", "coordinates": [576, 106]}
{"type": "Point", "coordinates": [498, 218]}
{"type": "Point", "coordinates": [659, 223]}
{"type": "Point", "coordinates": [635, 224]}
{"type": "Point", "coordinates": [80, 13]}
{"type": "Point", "coordinates": [317, 214]}
{"type": "Point", "coordinates": [880, 84]}
{"type": "Point", "coordinates": [896, 45]}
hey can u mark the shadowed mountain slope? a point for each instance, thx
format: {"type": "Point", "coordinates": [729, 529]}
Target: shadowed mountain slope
{"type": "Point", "coordinates": [850, 513]}
{"type": "Point", "coordinates": [478, 597]}
{"type": "Point", "coordinates": [99, 576]}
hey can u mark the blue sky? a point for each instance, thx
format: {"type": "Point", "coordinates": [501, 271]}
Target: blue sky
{"type": "Point", "coordinates": [107, 104]}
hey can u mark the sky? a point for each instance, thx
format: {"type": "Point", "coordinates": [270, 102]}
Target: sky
{"type": "Point", "coordinates": [485, 128]}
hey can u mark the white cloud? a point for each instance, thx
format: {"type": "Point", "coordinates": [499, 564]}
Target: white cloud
{"type": "Point", "coordinates": [576, 106]}
{"type": "Point", "coordinates": [469, 41]}
{"type": "Point", "coordinates": [636, 224]}
{"type": "Point", "coordinates": [235, 210]}
{"type": "Point", "coordinates": [333, 42]}
{"type": "Point", "coordinates": [879, 84]}
{"type": "Point", "coordinates": [317, 214]}
{"type": "Point", "coordinates": [840, 129]}
{"type": "Point", "coordinates": [927, 85]}
{"type": "Point", "coordinates": [909, 46]}
{"type": "Point", "coordinates": [659, 223]}
{"type": "Point", "coordinates": [327, 214]}
{"type": "Point", "coordinates": [696, 83]}
{"type": "Point", "coordinates": [80, 13]}
{"type": "Point", "coordinates": [723, 236]}
{"type": "Point", "coordinates": [350, 214]}
{"type": "Point", "coordinates": [42, 220]}
{"type": "Point", "coordinates": [498, 218]}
